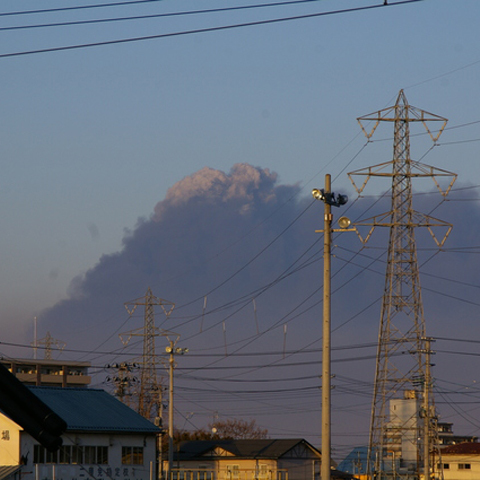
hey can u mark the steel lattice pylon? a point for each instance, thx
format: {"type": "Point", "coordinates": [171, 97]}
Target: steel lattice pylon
{"type": "Point", "coordinates": [150, 391]}
{"type": "Point", "coordinates": [403, 424]}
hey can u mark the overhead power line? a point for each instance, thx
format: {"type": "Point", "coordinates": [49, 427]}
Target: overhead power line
{"type": "Point", "coordinates": [147, 16]}
{"type": "Point", "coordinates": [201, 30]}
{"type": "Point", "coordinates": [78, 7]}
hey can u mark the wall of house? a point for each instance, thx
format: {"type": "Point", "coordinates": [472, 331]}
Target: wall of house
{"type": "Point", "coordinates": [461, 467]}
{"type": "Point", "coordinates": [301, 469]}
{"type": "Point", "coordinates": [263, 469]}
{"type": "Point", "coordinates": [229, 468]}
{"type": "Point", "coordinates": [9, 442]}
{"type": "Point", "coordinates": [66, 467]}
{"type": "Point", "coordinates": [232, 468]}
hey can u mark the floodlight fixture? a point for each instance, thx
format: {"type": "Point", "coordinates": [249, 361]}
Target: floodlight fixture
{"type": "Point", "coordinates": [344, 222]}
{"type": "Point", "coordinates": [318, 194]}
{"type": "Point", "coordinates": [329, 197]}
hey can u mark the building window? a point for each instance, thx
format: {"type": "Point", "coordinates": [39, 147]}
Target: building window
{"type": "Point", "coordinates": [65, 454]}
{"type": "Point", "coordinates": [102, 456]}
{"type": "Point", "coordinates": [132, 455]}
{"type": "Point", "coordinates": [89, 455]}
{"type": "Point", "coordinates": [263, 471]}
{"type": "Point", "coordinates": [38, 454]}
{"type": "Point", "coordinates": [233, 472]}
{"type": "Point", "coordinates": [72, 454]}
{"type": "Point", "coordinates": [51, 457]}
{"type": "Point", "coordinates": [446, 466]}
{"type": "Point", "coordinates": [464, 466]}
{"type": "Point", "coordinates": [77, 454]}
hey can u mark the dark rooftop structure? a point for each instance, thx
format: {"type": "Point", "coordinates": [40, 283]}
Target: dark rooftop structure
{"type": "Point", "coordinates": [264, 448]}
{"type": "Point", "coordinates": [93, 410]}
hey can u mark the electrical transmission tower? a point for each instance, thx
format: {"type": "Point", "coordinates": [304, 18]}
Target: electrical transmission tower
{"type": "Point", "coordinates": [49, 343]}
{"type": "Point", "coordinates": [150, 389]}
{"type": "Point", "coordinates": [403, 420]}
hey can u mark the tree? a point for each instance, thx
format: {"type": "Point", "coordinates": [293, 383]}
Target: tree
{"type": "Point", "coordinates": [237, 430]}
{"type": "Point", "coordinates": [231, 429]}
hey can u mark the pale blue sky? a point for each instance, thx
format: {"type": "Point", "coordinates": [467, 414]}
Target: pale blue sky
{"type": "Point", "coordinates": [97, 136]}
{"type": "Point", "coordinates": [92, 139]}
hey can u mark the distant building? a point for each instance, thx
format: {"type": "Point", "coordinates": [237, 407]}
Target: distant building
{"type": "Point", "coordinates": [402, 410]}
{"type": "Point", "coordinates": [104, 439]}
{"type": "Point", "coordinates": [447, 437]}
{"type": "Point", "coordinates": [53, 373]}
{"type": "Point", "coordinates": [403, 430]}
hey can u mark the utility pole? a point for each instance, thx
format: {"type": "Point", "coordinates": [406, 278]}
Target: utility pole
{"type": "Point", "coordinates": [123, 380]}
{"type": "Point", "coordinates": [329, 199]}
{"type": "Point", "coordinates": [426, 409]}
{"type": "Point", "coordinates": [400, 354]}
{"type": "Point", "coordinates": [172, 350]}
{"type": "Point", "coordinates": [150, 388]}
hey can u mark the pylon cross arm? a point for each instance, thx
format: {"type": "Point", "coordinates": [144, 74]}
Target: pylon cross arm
{"type": "Point", "coordinates": [423, 170]}
{"type": "Point", "coordinates": [424, 117]}
{"type": "Point", "coordinates": [409, 114]}
{"type": "Point", "coordinates": [423, 220]}
{"type": "Point", "coordinates": [169, 310]}
{"type": "Point", "coordinates": [417, 220]}
{"type": "Point", "coordinates": [373, 171]}
{"type": "Point", "coordinates": [130, 311]}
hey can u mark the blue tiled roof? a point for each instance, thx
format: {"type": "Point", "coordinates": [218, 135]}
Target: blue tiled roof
{"type": "Point", "coordinates": [93, 410]}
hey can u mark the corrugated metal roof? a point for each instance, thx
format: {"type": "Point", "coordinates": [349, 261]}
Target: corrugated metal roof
{"type": "Point", "coordinates": [93, 410]}
{"type": "Point", "coordinates": [265, 448]}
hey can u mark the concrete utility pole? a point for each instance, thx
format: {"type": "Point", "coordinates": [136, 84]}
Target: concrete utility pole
{"type": "Point", "coordinates": [123, 380]}
{"type": "Point", "coordinates": [399, 446]}
{"type": "Point", "coordinates": [329, 199]}
{"type": "Point", "coordinates": [172, 350]}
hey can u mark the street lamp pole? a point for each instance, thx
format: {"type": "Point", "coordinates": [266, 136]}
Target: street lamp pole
{"type": "Point", "coordinates": [170, 409]}
{"type": "Point", "coordinates": [172, 350]}
{"type": "Point", "coordinates": [329, 199]}
{"type": "Point", "coordinates": [326, 355]}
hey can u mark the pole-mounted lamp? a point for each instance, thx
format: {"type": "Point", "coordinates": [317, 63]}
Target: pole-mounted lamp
{"type": "Point", "coordinates": [329, 198]}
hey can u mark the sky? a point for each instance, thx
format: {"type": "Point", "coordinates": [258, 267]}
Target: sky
{"type": "Point", "coordinates": [185, 163]}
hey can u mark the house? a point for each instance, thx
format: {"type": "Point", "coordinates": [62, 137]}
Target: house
{"type": "Point", "coordinates": [265, 459]}
{"type": "Point", "coordinates": [104, 439]}
{"type": "Point", "coordinates": [461, 461]}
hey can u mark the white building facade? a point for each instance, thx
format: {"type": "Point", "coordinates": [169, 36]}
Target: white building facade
{"type": "Point", "coordinates": [104, 440]}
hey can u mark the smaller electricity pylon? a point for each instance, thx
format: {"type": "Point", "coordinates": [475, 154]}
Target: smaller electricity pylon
{"type": "Point", "coordinates": [150, 390]}
{"type": "Point", "coordinates": [49, 343]}
{"type": "Point", "coordinates": [403, 420]}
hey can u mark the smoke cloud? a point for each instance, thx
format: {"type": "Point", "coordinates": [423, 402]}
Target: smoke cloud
{"type": "Point", "coordinates": [238, 254]}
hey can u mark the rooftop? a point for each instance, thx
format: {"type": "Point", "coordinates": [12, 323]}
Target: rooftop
{"type": "Point", "coordinates": [466, 448]}
{"type": "Point", "coordinates": [263, 448]}
{"type": "Point", "coordinates": [93, 410]}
